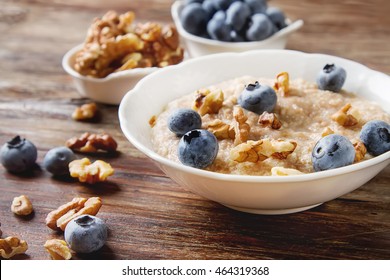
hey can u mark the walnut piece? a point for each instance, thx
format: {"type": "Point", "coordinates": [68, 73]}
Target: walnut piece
{"type": "Point", "coordinates": [152, 121]}
{"type": "Point", "coordinates": [282, 83]}
{"type": "Point", "coordinates": [346, 116]}
{"type": "Point", "coordinates": [360, 151]}
{"type": "Point", "coordinates": [58, 249]}
{"type": "Point", "coordinates": [269, 120]}
{"type": "Point", "coordinates": [220, 130]}
{"type": "Point", "coordinates": [92, 143]}
{"type": "Point", "coordinates": [208, 102]}
{"type": "Point", "coordinates": [12, 246]}
{"type": "Point", "coordinates": [254, 151]}
{"type": "Point", "coordinates": [59, 218]}
{"type": "Point", "coordinates": [327, 131]}
{"type": "Point", "coordinates": [22, 206]}
{"type": "Point", "coordinates": [88, 172]}
{"type": "Point", "coordinates": [85, 112]}
{"type": "Point", "coordinates": [282, 171]}
{"type": "Point", "coordinates": [239, 125]}
{"type": "Point", "coordinates": [114, 43]}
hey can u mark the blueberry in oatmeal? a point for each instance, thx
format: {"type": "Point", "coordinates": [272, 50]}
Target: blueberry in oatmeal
{"type": "Point", "coordinates": [181, 121]}
{"type": "Point", "coordinates": [331, 77]}
{"type": "Point", "coordinates": [376, 137]}
{"type": "Point", "coordinates": [258, 98]}
{"type": "Point", "coordinates": [197, 148]}
{"type": "Point", "coordinates": [332, 151]}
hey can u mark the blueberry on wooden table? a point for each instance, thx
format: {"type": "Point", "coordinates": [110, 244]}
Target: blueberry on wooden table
{"type": "Point", "coordinates": [258, 98]}
{"type": "Point", "coordinates": [376, 137]}
{"type": "Point", "coordinates": [332, 151]}
{"type": "Point", "coordinates": [197, 148]}
{"type": "Point", "coordinates": [331, 77]}
{"type": "Point", "coordinates": [57, 160]}
{"type": "Point", "coordinates": [86, 234]}
{"type": "Point", "coordinates": [18, 155]}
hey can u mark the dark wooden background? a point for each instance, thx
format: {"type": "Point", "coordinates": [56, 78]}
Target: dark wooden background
{"type": "Point", "coordinates": [149, 216]}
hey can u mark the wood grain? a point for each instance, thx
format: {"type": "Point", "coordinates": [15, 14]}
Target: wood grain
{"type": "Point", "coordinates": [150, 216]}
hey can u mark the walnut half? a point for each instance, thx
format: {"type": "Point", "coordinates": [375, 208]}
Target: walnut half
{"type": "Point", "coordinates": [254, 151]}
{"type": "Point", "coordinates": [89, 172]}
{"type": "Point", "coordinates": [59, 218]}
{"type": "Point", "coordinates": [92, 143]}
{"type": "Point", "coordinates": [12, 246]}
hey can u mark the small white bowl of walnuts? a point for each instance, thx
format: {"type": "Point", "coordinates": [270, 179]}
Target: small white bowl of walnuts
{"type": "Point", "coordinates": [117, 53]}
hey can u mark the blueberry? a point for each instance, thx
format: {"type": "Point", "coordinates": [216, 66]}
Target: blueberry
{"type": "Point", "coordinates": [218, 29]}
{"type": "Point", "coordinates": [277, 17]}
{"type": "Point", "coordinates": [258, 98]}
{"type": "Point", "coordinates": [332, 78]}
{"type": "Point", "coordinates": [260, 28]}
{"type": "Point", "coordinates": [197, 148]}
{"type": "Point", "coordinates": [237, 15]}
{"type": "Point", "coordinates": [223, 4]}
{"type": "Point", "coordinates": [57, 160]}
{"type": "Point", "coordinates": [236, 36]}
{"type": "Point", "coordinates": [18, 155]}
{"type": "Point", "coordinates": [376, 137]}
{"type": "Point", "coordinates": [331, 152]}
{"type": "Point", "coordinates": [181, 121]}
{"type": "Point", "coordinates": [209, 7]}
{"type": "Point", "coordinates": [257, 6]}
{"type": "Point", "coordinates": [194, 18]}
{"type": "Point", "coordinates": [86, 234]}
{"type": "Point", "coordinates": [186, 2]}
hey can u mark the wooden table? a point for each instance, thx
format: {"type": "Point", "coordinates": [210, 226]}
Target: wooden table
{"type": "Point", "coordinates": [150, 216]}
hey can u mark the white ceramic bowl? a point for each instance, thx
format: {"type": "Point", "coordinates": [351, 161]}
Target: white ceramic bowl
{"type": "Point", "coordinates": [198, 46]}
{"type": "Point", "coordinates": [109, 90]}
{"type": "Point", "coordinates": [254, 194]}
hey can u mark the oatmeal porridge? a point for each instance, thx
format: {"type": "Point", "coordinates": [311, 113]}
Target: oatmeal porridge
{"type": "Point", "coordinates": [303, 115]}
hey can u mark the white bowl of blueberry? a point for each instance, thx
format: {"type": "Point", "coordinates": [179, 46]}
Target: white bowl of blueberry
{"type": "Point", "coordinates": [213, 26]}
{"type": "Point", "coordinates": [270, 132]}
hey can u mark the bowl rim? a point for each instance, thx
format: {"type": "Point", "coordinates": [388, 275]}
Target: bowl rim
{"type": "Point", "coordinates": [177, 5]}
{"type": "Point", "coordinates": [115, 75]}
{"type": "Point", "coordinates": [235, 177]}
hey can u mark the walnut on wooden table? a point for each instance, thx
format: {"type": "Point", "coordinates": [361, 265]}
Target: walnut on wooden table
{"type": "Point", "coordinates": [12, 246]}
{"type": "Point", "coordinates": [88, 172]}
{"type": "Point", "coordinates": [92, 143]}
{"type": "Point", "coordinates": [22, 205]}
{"type": "Point", "coordinates": [59, 218]}
{"type": "Point", "coordinates": [58, 249]}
